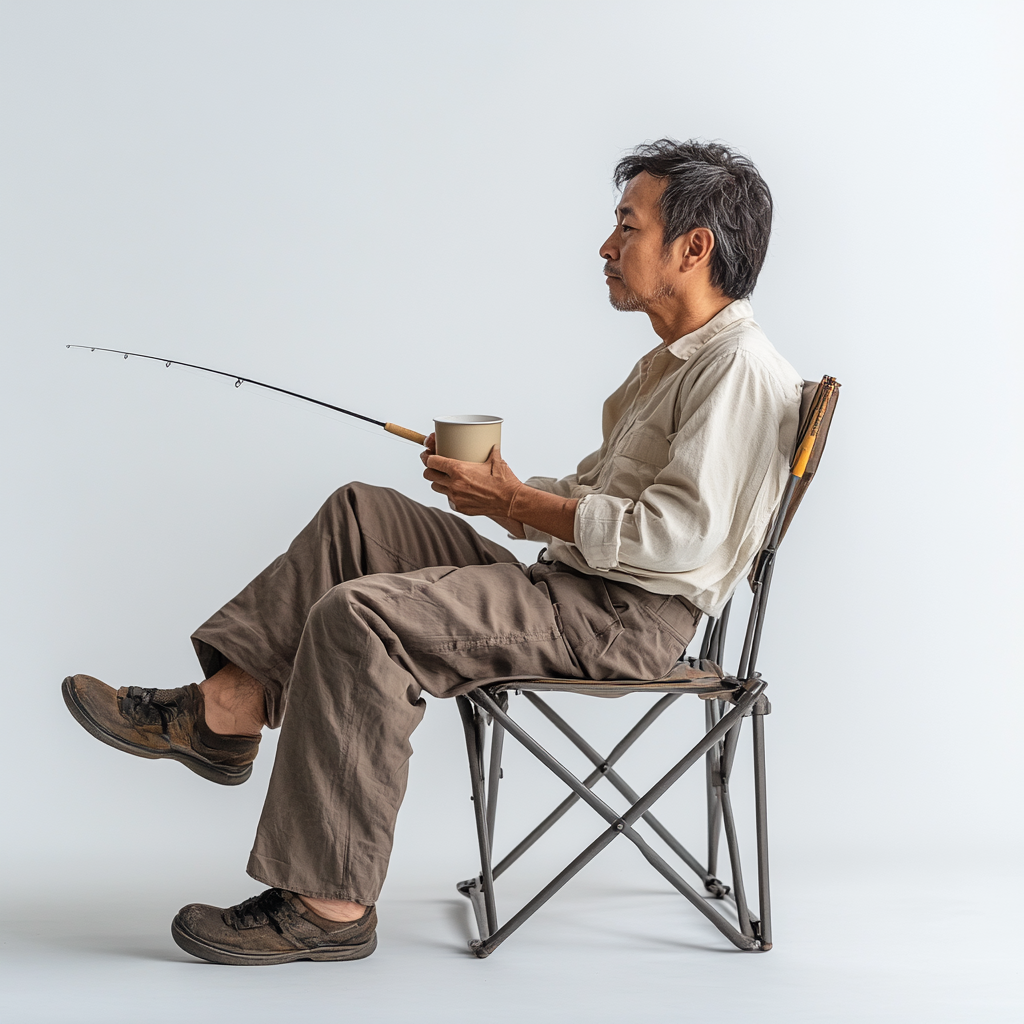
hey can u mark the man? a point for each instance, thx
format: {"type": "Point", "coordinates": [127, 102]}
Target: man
{"type": "Point", "coordinates": [379, 598]}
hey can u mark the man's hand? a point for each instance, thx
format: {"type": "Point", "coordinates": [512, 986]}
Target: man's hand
{"type": "Point", "coordinates": [491, 489]}
{"type": "Point", "coordinates": [472, 488]}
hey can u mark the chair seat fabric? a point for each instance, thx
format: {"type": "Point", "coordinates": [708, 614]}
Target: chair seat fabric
{"type": "Point", "coordinates": [689, 675]}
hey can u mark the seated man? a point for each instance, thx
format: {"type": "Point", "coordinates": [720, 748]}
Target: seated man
{"type": "Point", "coordinates": [379, 598]}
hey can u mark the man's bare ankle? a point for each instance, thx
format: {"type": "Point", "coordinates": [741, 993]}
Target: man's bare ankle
{"type": "Point", "coordinates": [334, 910]}
{"type": "Point", "coordinates": [235, 702]}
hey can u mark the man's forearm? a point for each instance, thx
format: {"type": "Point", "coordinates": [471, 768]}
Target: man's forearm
{"type": "Point", "coordinates": [491, 489]}
{"type": "Point", "coordinates": [510, 525]}
{"type": "Point", "coordinates": [546, 512]}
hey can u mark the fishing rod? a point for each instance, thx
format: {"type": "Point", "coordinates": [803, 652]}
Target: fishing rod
{"type": "Point", "coordinates": [391, 428]}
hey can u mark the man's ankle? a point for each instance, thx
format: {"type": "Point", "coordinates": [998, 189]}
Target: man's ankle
{"type": "Point", "coordinates": [341, 911]}
{"type": "Point", "coordinates": [234, 703]}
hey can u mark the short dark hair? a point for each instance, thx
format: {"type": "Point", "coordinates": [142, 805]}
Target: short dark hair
{"type": "Point", "coordinates": [710, 186]}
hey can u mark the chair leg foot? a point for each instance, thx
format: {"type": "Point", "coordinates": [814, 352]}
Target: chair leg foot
{"type": "Point", "coordinates": [718, 889]}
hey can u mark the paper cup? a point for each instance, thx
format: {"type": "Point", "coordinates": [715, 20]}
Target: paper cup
{"type": "Point", "coordinates": [467, 438]}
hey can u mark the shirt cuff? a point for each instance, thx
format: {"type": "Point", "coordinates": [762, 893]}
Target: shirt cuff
{"type": "Point", "coordinates": [597, 529]}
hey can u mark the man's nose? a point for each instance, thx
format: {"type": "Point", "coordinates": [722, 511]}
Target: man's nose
{"type": "Point", "coordinates": [609, 250]}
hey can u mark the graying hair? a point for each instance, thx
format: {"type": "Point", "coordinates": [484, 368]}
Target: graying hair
{"type": "Point", "coordinates": [710, 186]}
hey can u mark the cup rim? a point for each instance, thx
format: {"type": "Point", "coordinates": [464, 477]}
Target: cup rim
{"type": "Point", "coordinates": [469, 419]}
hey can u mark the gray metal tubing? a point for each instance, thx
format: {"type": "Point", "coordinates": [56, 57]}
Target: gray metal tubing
{"type": "Point", "coordinates": [669, 779]}
{"type": "Point", "coordinates": [620, 748]}
{"type": "Point", "coordinates": [484, 700]}
{"type": "Point", "coordinates": [618, 827]}
{"type": "Point", "coordinates": [573, 867]}
{"type": "Point", "coordinates": [761, 818]}
{"type": "Point", "coordinates": [723, 625]}
{"type": "Point", "coordinates": [560, 723]}
{"type": "Point", "coordinates": [742, 940]}
{"type": "Point", "coordinates": [748, 637]}
{"type": "Point", "coordinates": [493, 778]}
{"type": "Point", "coordinates": [658, 790]}
{"type": "Point", "coordinates": [709, 630]}
{"type": "Point", "coordinates": [488, 945]}
{"type": "Point", "coordinates": [787, 497]}
{"type": "Point", "coordinates": [762, 608]}
{"type": "Point", "coordinates": [476, 898]}
{"type": "Point", "coordinates": [481, 742]}
{"type": "Point", "coordinates": [470, 718]}
{"type": "Point", "coordinates": [734, 860]}
{"type": "Point", "coordinates": [570, 801]}
{"type": "Point", "coordinates": [715, 839]}
{"type": "Point", "coordinates": [755, 622]}
{"type": "Point", "coordinates": [732, 742]}
{"type": "Point", "coordinates": [730, 747]}
{"type": "Point", "coordinates": [710, 769]}
{"type": "Point", "coordinates": [623, 824]}
{"type": "Point", "coordinates": [619, 783]}
{"type": "Point", "coordinates": [659, 829]}
{"type": "Point", "coordinates": [728, 759]}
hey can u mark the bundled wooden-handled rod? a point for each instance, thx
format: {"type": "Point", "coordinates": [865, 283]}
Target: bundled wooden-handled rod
{"type": "Point", "coordinates": [391, 428]}
{"type": "Point", "coordinates": [815, 415]}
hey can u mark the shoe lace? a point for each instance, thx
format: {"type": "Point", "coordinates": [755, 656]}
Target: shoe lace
{"type": "Point", "coordinates": [257, 911]}
{"type": "Point", "coordinates": [140, 703]}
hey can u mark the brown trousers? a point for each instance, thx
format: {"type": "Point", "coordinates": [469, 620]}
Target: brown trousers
{"type": "Point", "coordinates": [376, 600]}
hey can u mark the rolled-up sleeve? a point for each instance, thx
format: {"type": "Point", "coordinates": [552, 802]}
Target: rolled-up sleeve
{"type": "Point", "coordinates": [729, 439]}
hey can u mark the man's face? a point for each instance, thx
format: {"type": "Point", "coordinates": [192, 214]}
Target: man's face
{"type": "Point", "coordinates": [637, 273]}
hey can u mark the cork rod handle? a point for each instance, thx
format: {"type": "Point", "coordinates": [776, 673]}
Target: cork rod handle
{"type": "Point", "coordinates": [409, 435]}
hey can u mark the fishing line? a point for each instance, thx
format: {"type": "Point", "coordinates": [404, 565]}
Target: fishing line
{"type": "Point", "coordinates": [295, 407]}
{"type": "Point", "coordinates": [391, 428]}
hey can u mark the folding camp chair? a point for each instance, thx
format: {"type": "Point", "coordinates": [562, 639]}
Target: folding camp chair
{"type": "Point", "coordinates": [728, 700]}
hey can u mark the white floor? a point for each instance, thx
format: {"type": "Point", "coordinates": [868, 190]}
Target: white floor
{"type": "Point", "coordinates": [864, 944]}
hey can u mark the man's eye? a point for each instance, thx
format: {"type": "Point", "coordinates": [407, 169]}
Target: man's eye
{"type": "Point", "coordinates": [626, 227]}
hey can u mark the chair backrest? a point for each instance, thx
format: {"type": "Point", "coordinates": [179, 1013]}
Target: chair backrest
{"type": "Point", "coordinates": [817, 405]}
{"type": "Point", "coordinates": [806, 406]}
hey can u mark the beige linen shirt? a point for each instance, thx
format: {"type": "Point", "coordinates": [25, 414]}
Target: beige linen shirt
{"type": "Point", "coordinates": [696, 452]}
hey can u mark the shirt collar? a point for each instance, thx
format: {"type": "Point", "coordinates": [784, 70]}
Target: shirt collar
{"type": "Point", "coordinates": [738, 309]}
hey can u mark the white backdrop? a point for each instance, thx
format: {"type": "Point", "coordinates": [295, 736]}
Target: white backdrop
{"type": "Point", "coordinates": [398, 208]}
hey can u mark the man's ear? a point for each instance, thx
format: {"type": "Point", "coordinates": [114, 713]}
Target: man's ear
{"type": "Point", "coordinates": [693, 250]}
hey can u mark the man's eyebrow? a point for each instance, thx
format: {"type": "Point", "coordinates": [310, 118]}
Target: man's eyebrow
{"type": "Point", "coordinates": [626, 211]}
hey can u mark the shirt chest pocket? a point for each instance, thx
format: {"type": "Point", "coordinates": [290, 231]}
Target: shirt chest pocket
{"type": "Point", "coordinates": [642, 444]}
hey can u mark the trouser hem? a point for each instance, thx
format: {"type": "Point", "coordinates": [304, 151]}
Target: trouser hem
{"type": "Point", "coordinates": [278, 880]}
{"type": "Point", "coordinates": [215, 647]}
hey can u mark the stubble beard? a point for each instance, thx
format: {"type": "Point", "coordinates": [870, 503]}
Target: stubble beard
{"type": "Point", "coordinates": [633, 302]}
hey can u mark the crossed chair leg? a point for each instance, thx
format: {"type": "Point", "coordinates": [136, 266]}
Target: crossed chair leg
{"type": "Point", "coordinates": [718, 748]}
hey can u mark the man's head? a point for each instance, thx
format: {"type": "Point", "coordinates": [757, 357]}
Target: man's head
{"type": "Point", "coordinates": [692, 215]}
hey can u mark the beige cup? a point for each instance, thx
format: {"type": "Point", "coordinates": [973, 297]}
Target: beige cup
{"type": "Point", "coordinates": [467, 438]}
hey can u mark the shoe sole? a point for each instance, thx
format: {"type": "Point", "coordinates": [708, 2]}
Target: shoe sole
{"type": "Point", "coordinates": [198, 947]}
{"type": "Point", "coordinates": [210, 772]}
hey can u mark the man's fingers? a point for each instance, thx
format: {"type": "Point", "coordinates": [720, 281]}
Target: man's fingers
{"type": "Point", "coordinates": [440, 463]}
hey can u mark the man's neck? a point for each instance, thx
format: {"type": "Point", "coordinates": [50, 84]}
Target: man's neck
{"type": "Point", "coordinates": [680, 318]}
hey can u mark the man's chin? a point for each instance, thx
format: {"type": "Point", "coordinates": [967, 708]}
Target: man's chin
{"type": "Point", "coordinates": [627, 303]}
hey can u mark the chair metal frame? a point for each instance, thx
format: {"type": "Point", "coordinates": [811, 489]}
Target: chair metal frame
{"type": "Point", "coordinates": [728, 700]}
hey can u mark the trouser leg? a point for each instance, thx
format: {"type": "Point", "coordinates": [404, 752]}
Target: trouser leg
{"type": "Point", "coordinates": [360, 530]}
{"type": "Point", "coordinates": [371, 645]}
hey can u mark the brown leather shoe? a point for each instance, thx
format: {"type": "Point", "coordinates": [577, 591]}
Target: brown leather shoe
{"type": "Point", "coordinates": [160, 723]}
{"type": "Point", "coordinates": [275, 927]}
